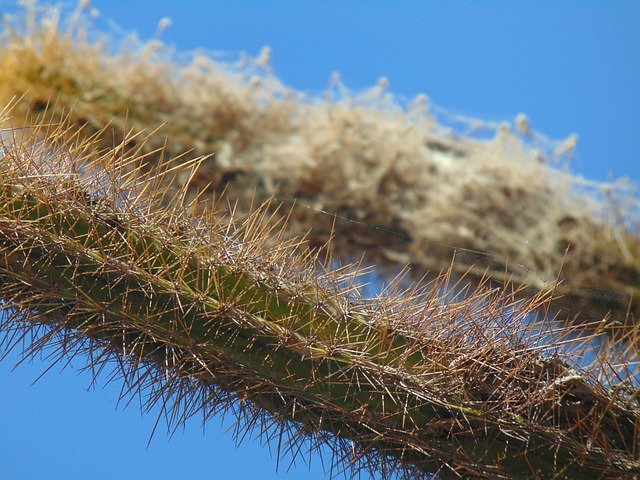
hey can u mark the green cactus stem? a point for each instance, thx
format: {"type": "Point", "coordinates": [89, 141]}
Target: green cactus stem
{"type": "Point", "coordinates": [209, 315]}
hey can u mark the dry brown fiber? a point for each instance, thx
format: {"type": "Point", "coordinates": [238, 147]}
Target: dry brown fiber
{"type": "Point", "coordinates": [393, 182]}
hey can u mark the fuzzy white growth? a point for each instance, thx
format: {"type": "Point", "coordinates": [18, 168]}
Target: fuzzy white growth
{"type": "Point", "coordinates": [433, 182]}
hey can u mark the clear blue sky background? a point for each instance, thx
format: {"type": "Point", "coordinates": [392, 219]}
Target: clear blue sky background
{"type": "Point", "coordinates": [571, 66]}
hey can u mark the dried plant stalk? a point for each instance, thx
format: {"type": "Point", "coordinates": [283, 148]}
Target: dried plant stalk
{"type": "Point", "coordinates": [209, 316]}
{"type": "Point", "coordinates": [360, 157]}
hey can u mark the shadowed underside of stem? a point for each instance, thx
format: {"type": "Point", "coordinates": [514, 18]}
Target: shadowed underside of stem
{"type": "Point", "coordinates": [360, 157]}
{"type": "Point", "coordinates": [204, 315]}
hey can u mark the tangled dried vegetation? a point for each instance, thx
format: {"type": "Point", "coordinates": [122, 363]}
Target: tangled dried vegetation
{"type": "Point", "coordinates": [111, 249]}
{"type": "Point", "coordinates": [391, 181]}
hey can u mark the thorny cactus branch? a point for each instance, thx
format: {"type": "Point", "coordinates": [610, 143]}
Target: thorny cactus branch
{"type": "Point", "coordinates": [361, 157]}
{"type": "Point", "coordinates": [208, 316]}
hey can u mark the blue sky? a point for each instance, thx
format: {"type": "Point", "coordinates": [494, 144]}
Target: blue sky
{"type": "Point", "coordinates": [571, 66]}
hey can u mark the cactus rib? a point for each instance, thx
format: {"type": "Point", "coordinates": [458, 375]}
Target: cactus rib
{"type": "Point", "coordinates": [418, 385]}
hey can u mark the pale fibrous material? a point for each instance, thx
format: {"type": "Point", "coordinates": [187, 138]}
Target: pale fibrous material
{"type": "Point", "coordinates": [113, 250]}
{"type": "Point", "coordinates": [395, 181]}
